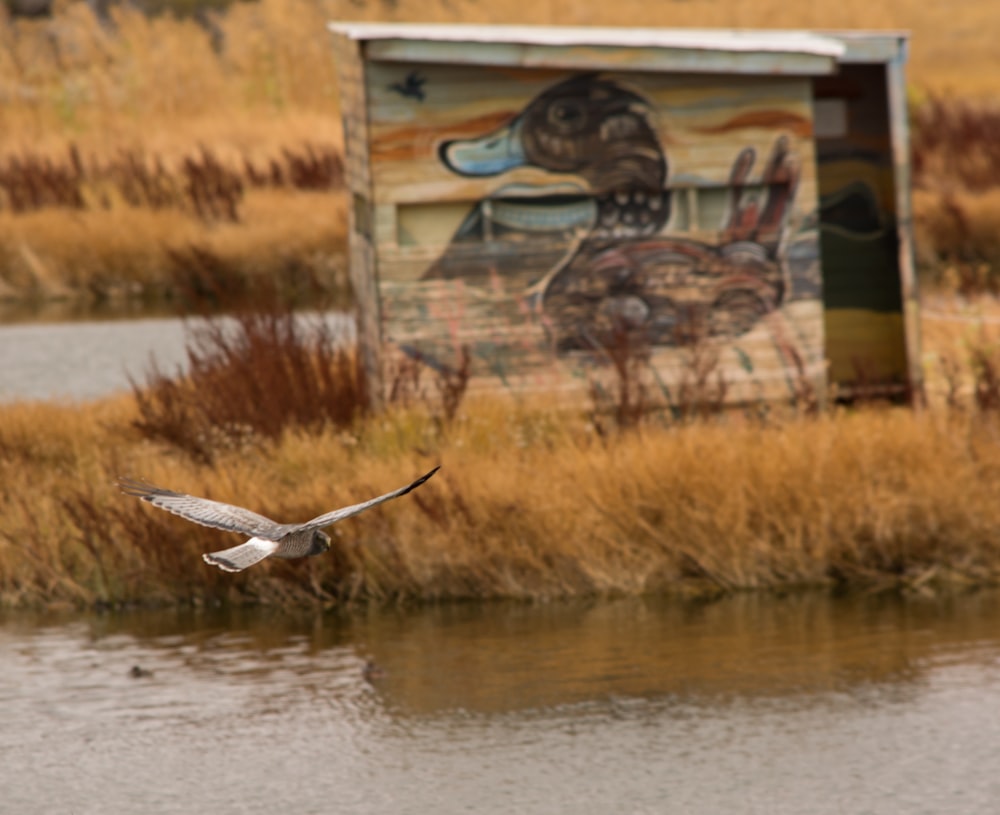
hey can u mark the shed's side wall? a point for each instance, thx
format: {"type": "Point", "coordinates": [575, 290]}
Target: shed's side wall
{"type": "Point", "coordinates": [543, 219]}
{"type": "Point", "coordinates": [859, 236]}
{"type": "Point", "coordinates": [361, 246]}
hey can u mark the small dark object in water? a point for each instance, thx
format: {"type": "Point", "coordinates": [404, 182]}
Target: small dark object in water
{"type": "Point", "coordinates": [138, 672]}
{"type": "Point", "coordinates": [372, 671]}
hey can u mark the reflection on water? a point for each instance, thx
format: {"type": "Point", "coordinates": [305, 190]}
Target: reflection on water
{"type": "Point", "coordinates": [803, 704]}
{"type": "Point", "coordinates": [87, 360]}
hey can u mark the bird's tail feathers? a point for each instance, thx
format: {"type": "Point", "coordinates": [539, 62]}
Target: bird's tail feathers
{"type": "Point", "coordinates": [240, 557]}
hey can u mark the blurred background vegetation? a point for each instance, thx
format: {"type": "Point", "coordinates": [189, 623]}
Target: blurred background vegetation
{"type": "Point", "coordinates": [144, 143]}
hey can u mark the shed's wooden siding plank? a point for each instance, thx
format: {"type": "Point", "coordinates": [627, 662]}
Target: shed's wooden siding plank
{"type": "Point", "coordinates": [361, 246]}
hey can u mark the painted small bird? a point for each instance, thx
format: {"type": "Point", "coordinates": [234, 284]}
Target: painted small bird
{"type": "Point", "coordinates": [268, 538]}
{"type": "Point", "coordinates": [412, 87]}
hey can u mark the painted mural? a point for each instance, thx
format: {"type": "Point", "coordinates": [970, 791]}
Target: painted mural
{"type": "Point", "coordinates": [607, 207]}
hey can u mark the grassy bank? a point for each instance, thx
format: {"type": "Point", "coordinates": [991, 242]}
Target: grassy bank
{"type": "Point", "coordinates": [528, 504]}
{"type": "Point", "coordinates": [150, 148]}
{"type": "Point", "coordinates": [145, 160]}
{"type": "Point", "coordinates": [525, 506]}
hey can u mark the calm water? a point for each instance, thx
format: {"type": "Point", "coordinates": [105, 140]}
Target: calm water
{"type": "Point", "coordinates": [746, 705]}
{"type": "Point", "coordinates": [86, 360]}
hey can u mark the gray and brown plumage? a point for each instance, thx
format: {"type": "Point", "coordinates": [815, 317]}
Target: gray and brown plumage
{"type": "Point", "coordinates": [268, 538]}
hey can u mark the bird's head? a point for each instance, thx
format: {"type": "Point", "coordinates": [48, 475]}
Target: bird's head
{"type": "Point", "coordinates": [320, 543]}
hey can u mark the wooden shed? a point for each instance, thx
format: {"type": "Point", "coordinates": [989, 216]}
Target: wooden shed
{"type": "Point", "coordinates": [541, 200]}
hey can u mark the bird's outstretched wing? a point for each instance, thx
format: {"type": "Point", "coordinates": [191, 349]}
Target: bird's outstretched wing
{"type": "Point", "coordinates": [354, 509]}
{"type": "Point", "coordinates": [205, 512]}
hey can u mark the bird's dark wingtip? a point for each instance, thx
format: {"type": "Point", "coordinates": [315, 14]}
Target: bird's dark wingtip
{"type": "Point", "coordinates": [141, 489]}
{"type": "Point", "coordinates": [133, 486]}
{"type": "Point", "coordinates": [422, 479]}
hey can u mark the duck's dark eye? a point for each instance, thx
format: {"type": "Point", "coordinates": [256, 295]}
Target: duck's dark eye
{"type": "Point", "coordinates": [567, 115]}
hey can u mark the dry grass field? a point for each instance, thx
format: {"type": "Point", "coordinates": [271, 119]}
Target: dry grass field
{"type": "Point", "coordinates": [526, 505]}
{"type": "Point", "coordinates": [140, 152]}
{"type": "Point", "coordinates": [530, 503]}
{"type": "Point", "coordinates": [129, 146]}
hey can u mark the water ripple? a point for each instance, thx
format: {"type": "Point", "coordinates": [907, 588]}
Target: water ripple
{"type": "Point", "coordinates": [749, 705]}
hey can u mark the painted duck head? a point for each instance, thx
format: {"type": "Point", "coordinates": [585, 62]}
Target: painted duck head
{"type": "Point", "coordinates": [589, 126]}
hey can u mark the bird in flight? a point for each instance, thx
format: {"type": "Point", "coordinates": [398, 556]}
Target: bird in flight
{"type": "Point", "coordinates": [267, 538]}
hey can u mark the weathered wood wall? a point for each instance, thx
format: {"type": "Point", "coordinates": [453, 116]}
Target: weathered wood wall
{"type": "Point", "coordinates": [361, 248]}
{"type": "Point", "coordinates": [539, 217]}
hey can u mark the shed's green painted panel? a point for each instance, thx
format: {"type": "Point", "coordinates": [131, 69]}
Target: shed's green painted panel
{"type": "Point", "coordinates": [859, 233]}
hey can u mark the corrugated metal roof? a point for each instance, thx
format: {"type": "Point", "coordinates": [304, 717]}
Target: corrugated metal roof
{"type": "Point", "coordinates": [694, 39]}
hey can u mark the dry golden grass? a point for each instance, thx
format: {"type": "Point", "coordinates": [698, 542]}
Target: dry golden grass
{"type": "Point", "coordinates": [530, 502]}
{"type": "Point", "coordinates": [159, 82]}
{"type": "Point", "coordinates": [960, 336]}
{"type": "Point", "coordinates": [527, 504]}
{"type": "Point", "coordinates": [156, 87]}
{"type": "Point", "coordinates": [959, 239]}
{"type": "Point", "coordinates": [127, 251]}
{"type": "Point", "coordinates": [159, 87]}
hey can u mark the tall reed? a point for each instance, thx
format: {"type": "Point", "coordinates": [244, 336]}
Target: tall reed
{"type": "Point", "coordinates": [251, 378]}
